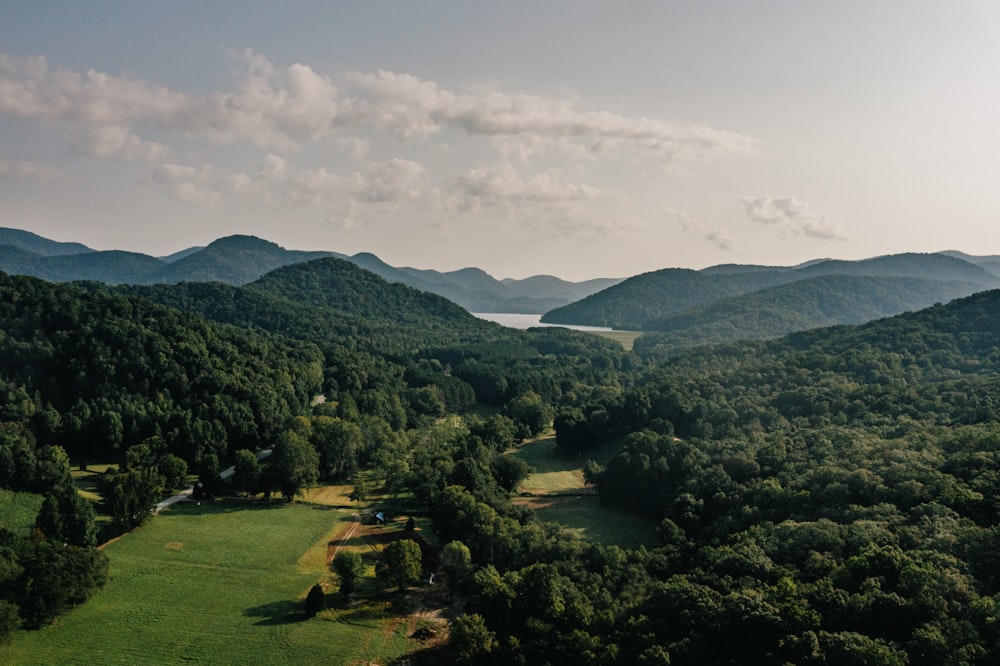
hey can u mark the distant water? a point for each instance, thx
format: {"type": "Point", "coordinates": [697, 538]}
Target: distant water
{"type": "Point", "coordinates": [528, 320]}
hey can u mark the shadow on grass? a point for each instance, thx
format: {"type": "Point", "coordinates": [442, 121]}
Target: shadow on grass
{"type": "Point", "coordinates": [277, 613]}
{"type": "Point", "coordinates": [363, 617]}
{"type": "Point", "coordinates": [208, 507]}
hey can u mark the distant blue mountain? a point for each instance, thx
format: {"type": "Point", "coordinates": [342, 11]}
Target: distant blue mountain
{"type": "Point", "coordinates": [239, 260]}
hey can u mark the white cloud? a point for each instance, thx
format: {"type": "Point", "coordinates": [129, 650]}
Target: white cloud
{"type": "Point", "coordinates": [272, 112]}
{"type": "Point", "coordinates": [200, 186]}
{"type": "Point", "coordinates": [721, 239]}
{"type": "Point", "coordinates": [97, 110]}
{"type": "Point", "coordinates": [791, 217]}
{"type": "Point", "coordinates": [502, 187]}
{"type": "Point", "coordinates": [718, 236]}
{"type": "Point", "coordinates": [29, 170]}
{"type": "Point", "coordinates": [280, 109]}
{"type": "Point", "coordinates": [411, 107]}
{"type": "Point", "coordinates": [379, 183]}
{"type": "Point", "coordinates": [117, 142]}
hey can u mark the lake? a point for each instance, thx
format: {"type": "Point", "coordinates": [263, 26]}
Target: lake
{"type": "Point", "coordinates": [529, 320]}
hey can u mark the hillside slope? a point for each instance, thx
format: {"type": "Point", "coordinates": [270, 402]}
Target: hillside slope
{"type": "Point", "coordinates": [646, 301]}
{"type": "Point", "coordinates": [826, 300]}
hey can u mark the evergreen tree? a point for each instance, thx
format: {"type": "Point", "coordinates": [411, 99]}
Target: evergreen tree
{"type": "Point", "coordinates": [315, 600]}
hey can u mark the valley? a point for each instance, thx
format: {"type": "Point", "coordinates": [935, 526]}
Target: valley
{"type": "Point", "coordinates": [803, 493]}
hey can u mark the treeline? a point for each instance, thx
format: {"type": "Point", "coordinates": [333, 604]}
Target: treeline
{"type": "Point", "coordinates": [57, 566]}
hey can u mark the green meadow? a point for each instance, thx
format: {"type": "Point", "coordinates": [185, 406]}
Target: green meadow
{"type": "Point", "coordinates": [625, 338]}
{"type": "Point", "coordinates": [558, 494]}
{"type": "Point", "coordinates": [219, 583]}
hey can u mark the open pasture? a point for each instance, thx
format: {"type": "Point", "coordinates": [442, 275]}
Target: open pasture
{"type": "Point", "coordinates": [219, 583]}
{"type": "Point", "coordinates": [553, 473]}
{"type": "Point", "coordinates": [558, 494]}
{"type": "Point", "coordinates": [625, 338]}
{"type": "Point", "coordinates": [584, 516]}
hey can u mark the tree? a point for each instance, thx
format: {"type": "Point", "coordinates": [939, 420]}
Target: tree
{"type": "Point", "coordinates": [457, 563]}
{"type": "Point", "coordinates": [360, 492]}
{"type": "Point", "coordinates": [509, 471]}
{"type": "Point", "coordinates": [131, 495]}
{"type": "Point", "coordinates": [337, 441]}
{"type": "Point", "coordinates": [66, 517]}
{"type": "Point", "coordinates": [246, 472]}
{"type": "Point", "coordinates": [173, 469]}
{"type": "Point", "coordinates": [296, 464]}
{"type": "Point", "coordinates": [400, 562]}
{"type": "Point", "coordinates": [592, 472]}
{"type": "Point", "coordinates": [9, 620]}
{"type": "Point", "coordinates": [209, 482]}
{"type": "Point", "coordinates": [530, 413]}
{"type": "Point", "coordinates": [348, 567]}
{"type": "Point", "coordinates": [496, 432]}
{"type": "Point", "coordinates": [315, 600]}
{"type": "Point", "coordinates": [470, 638]}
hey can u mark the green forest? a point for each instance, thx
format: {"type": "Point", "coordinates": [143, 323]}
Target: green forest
{"type": "Point", "coordinates": [828, 497]}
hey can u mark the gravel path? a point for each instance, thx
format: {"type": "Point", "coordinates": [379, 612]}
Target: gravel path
{"type": "Point", "coordinates": [185, 495]}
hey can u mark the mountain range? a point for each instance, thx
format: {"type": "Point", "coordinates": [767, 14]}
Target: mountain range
{"type": "Point", "coordinates": [675, 307]}
{"type": "Point", "coordinates": [239, 260]}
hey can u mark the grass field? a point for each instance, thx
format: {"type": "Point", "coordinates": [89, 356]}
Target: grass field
{"type": "Point", "coordinates": [18, 510]}
{"type": "Point", "coordinates": [88, 482]}
{"type": "Point", "coordinates": [334, 496]}
{"type": "Point", "coordinates": [554, 474]}
{"type": "Point", "coordinates": [584, 516]}
{"type": "Point", "coordinates": [626, 338]}
{"type": "Point", "coordinates": [219, 583]}
{"type": "Point", "coordinates": [558, 494]}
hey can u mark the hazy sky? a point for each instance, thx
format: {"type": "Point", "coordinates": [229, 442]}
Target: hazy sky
{"type": "Point", "coordinates": [579, 138]}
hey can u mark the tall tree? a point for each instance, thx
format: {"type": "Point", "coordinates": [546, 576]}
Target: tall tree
{"type": "Point", "coordinates": [348, 567]}
{"type": "Point", "coordinates": [131, 495]}
{"type": "Point", "coordinates": [400, 563]}
{"type": "Point", "coordinates": [296, 463]}
{"type": "Point", "coordinates": [315, 600]}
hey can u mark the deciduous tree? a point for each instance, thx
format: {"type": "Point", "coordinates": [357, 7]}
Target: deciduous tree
{"type": "Point", "coordinates": [400, 563]}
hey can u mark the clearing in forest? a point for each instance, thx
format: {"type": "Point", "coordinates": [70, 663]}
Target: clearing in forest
{"type": "Point", "coordinates": [221, 583]}
{"type": "Point", "coordinates": [558, 494]}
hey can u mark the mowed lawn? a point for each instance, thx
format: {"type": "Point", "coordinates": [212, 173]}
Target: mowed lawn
{"type": "Point", "coordinates": [585, 517]}
{"type": "Point", "coordinates": [559, 495]}
{"type": "Point", "coordinates": [220, 583]}
{"type": "Point", "coordinates": [554, 474]}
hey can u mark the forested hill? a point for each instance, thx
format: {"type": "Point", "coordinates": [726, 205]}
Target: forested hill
{"type": "Point", "coordinates": [811, 303]}
{"type": "Point", "coordinates": [37, 245]}
{"type": "Point", "coordinates": [100, 372]}
{"type": "Point", "coordinates": [233, 260]}
{"type": "Point", "coordinates": [341, 285]}
{"type": "Point", "coordinates": [645, 301]}
{"type": "Point", "coordinates": [477, 291]}
{"type": "Point", "coordinates": [367, 326]}
{"type": "Point", "coordinates": [940, 342]}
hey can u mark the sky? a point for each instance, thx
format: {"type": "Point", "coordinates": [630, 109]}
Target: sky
{"type": "Point", "coordinates": [576, 138]}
